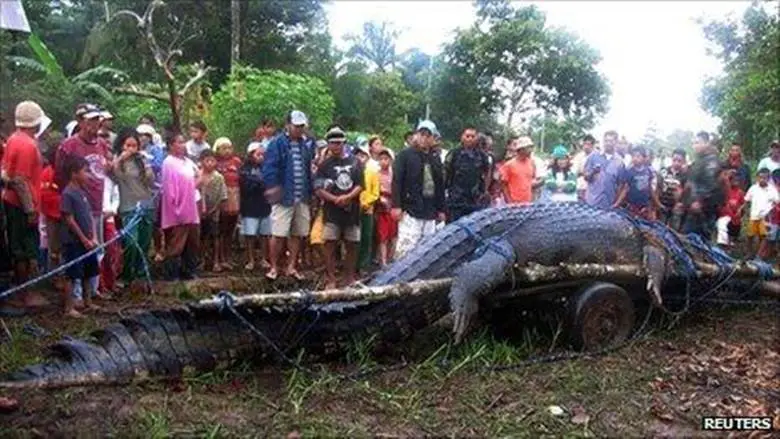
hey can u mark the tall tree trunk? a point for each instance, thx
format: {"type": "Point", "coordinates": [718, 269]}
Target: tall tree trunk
{"type": "Point", "coordinates": [174, 101]}
{"type": "Point", "coordinates": [235, 33]}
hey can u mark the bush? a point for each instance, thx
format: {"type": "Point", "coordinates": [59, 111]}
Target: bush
{"type": "Point", "coordinates": [250, 94]}
{"type": "Point", "coordinates": [128, 109]}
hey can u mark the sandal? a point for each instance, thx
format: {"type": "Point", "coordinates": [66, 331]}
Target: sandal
{"type": "Point", "coordinates": [271, 275]}
{"type": "Point", "coordinates": [249, 266]}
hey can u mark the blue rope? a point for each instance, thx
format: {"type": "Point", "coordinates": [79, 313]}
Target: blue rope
{"type": "Point", "coordinates": [135, 219]}
{"type": "Point", "coordinates": [485, 244]}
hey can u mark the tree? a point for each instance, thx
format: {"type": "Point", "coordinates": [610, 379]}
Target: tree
{"type": "Point", "coordinates": [548, 131]}
{"type": "Point", "coordinates": [746, 97]}
{"type": "Point", "coordinates": [653, 139]}
{"type": "Point", "coordinates": [376, 45]}
{"type": "Point", "coordinates": [165, 58]}
{"type": "Point", "coordinates": [519, 64]}
{"type": "Point", "coordinates": [679, 139]}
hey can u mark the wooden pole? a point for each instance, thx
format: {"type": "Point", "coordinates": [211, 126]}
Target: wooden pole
{"type": "Point", "coordinates": [530, 276]}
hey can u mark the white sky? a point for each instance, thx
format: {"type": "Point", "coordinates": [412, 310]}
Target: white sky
{"type": "Point", "coordinates": [653, 53]}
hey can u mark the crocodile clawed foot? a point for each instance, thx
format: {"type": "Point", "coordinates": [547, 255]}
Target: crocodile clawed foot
{"type": "Point", "coordinates": [462, 322]}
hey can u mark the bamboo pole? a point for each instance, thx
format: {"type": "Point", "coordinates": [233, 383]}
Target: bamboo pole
{"type": "Point", "coordinates": [529, 275]}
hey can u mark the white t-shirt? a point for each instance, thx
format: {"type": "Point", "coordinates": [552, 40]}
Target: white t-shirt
{"type": "Point", "coordinates": [768, 163]}
{"type": "Point", "coordinates": [195, 149]}
{"type": "Point", "coordinates": [762, 200]}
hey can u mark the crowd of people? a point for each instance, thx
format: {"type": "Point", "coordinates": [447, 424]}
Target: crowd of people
{"type": "Point", "coordinates": [297, 202]}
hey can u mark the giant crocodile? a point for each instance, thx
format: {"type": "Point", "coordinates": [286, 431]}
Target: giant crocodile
{"type": "Point", "coordinates": [477, 252]}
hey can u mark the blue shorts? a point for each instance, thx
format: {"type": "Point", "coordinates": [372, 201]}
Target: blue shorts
{"type": "Point", "coordinates": [84, 269]}
{"type": "Point", "coordinates": [256, 226]}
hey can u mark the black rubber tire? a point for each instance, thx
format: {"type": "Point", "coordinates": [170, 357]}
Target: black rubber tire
{"type": "Point", "coordinates": [600, 316]}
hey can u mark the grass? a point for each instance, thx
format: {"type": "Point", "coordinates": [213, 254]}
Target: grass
{"type": "Point", "coordinates": [439, 389]}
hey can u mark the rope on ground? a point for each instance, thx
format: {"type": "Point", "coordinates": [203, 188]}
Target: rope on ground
{"type": "Point", "coordinates": [134, 220]}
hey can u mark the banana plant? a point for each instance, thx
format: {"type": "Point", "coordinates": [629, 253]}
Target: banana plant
{"type": "Point", "coordinates": [46, 67]}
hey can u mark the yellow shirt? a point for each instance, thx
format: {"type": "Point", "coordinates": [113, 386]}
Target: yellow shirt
{"type": "Point", "coordinates": [370, 193]}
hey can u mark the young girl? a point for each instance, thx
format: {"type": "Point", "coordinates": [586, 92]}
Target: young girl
{"type": "Point", "coordinates": [111, 264]}
{"type": "Point", "coordinates": [561, 181]}
{"type": "Point", "coordinates": [228, 165]}
{"type": "Point", "coordinates": [50, 212]}
{"type": "Point", "coordinates": [730, 215]}
{"type": "Point", "coordinates": [386, 226]}
{"type": "Point", "coordinates": [368, 198]}
{"type": "Point", "coordinates": [179, 203]}
{"type": "Point", "coordinates": [78, 238]}
{"type": "Point", "coordinates": [212, 183]}
{"type": "Point", "coordinates": [255, 210]}
{"type": "Point", "coordinates": [134, 176]}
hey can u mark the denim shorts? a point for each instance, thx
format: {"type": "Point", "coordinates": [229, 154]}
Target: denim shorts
{"type": "Point", "coordinates": [256, 226]}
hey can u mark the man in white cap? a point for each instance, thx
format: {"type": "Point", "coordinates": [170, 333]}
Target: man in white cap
{"type": "Point", "coordinates": [95, 150]}
{"type": "Point", "coordinates": [418, 189]}
{"type": "Point", "coordinates": [21, 171]}
{"type": "Point", "coordinates": [519, 175]}
{"type": "Point", "coordinates": [288, 179]}
{"type": "Point", "coordinates": [106, 127]}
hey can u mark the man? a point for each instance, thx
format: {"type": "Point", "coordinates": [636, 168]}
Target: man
{"type": "Point", "coordinates": [466, 177]}
{"type": "Point", "coordinates": [287, 175]}
{"type": "Point", "coordinates": [672, 182]}
{"type": "Point", "coordinates": [578, 164]}
{"type": "Point", "coordinates": [418, 189]}
{"type": "Point", "coordinates": [703, 191]}
{"type": "Point", "coordinates": [518, 174]}
{"type": "Point", "coordinates": [602, 172]}
{"type": "Point", "coordinates": [21, 173]}
{"type": "Point", "coordinates": [771, 162]}
{"type": "Point", "coordinates": [339, 182]}
{"type": "Point", "coordinates": [735, 162]}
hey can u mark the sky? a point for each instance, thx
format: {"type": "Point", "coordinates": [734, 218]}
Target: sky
{"type": "Point", "coordinates": [653, 53]}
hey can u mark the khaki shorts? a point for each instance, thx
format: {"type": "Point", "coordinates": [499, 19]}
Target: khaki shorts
{"type": "Point", "coordinates": [290, 220]}
{"type": "Point", "coordinates": [334, 232]}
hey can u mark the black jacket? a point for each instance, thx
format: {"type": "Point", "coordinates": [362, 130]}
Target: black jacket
{"type": "Point", "coordinates": [408, 184]}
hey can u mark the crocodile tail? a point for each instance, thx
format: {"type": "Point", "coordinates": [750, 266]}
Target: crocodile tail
{"type": "Point", "coordinates": [152, 344]}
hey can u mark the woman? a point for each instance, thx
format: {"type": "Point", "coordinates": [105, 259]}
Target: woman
{"type": "Point", "coordinates": [228, 164]}
{"type": "Point", "coordinates": [561, 182]}
{"type": "Point", "coordinates": [135, 180]}
{"type": "Point", "coordinates": [179, 203]}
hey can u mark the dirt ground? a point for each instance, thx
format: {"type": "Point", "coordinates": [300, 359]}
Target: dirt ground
{"type": "Point", "coordinates": [720, 362]}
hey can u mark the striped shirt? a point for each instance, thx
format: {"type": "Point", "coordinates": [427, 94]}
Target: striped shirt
{"type": "Point", "coordinates": [298, 176]}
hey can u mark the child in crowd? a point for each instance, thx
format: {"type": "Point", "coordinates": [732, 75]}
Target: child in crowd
{"type": "Point", "coordinates": [78, 238]}
{"type": "Point", "coordinates": [197, 143]}
{"type": "Point", "coordinates": [228, 165]}
{"type": "Point", "coordinates": [730, 218]}
{"type": "Point", "coordinates": [111, 264]}
{"type": "Point", "coordinates": [636, 187]}
{"type": "Point", "coordinates": [255, 210]}
{"type": "Point", "coordinates": [214, 189]}
{"type": "Point", "coordinates": [386, 226]}
{"type": "Point", "coordinates": [316, 237]}
{"type": "Point", "coordinates": [773, 233]}
{"type": "Point", "coordinates": [561, 181]}
{"type": "Point", "coordinates": [762, 198]}
{"type": "Point", "coordinates": [368, 198]}
{"type": "Point", "coordinates": [50, 212]}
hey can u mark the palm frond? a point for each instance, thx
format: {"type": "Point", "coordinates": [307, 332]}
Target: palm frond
{"type": "Point", "coordinates": [24, 63]}
{"type": "Point", "coordinates": [95, 89]}
{"type": "Point", "coordinates": [101, 72]}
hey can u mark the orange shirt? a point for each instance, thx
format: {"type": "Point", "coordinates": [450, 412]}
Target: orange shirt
{"type": "Point", "coordinates": [518, 175]}
{"type": "Point", "coordinates": [22, 159]}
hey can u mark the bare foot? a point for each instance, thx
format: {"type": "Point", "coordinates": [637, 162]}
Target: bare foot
{"type": "Point", "coordinates": [249, 266]}
{"type": "Point", "coordinates": [74, 314]}
{"type": "Point", "coordinates": [330, 285]}
{"type": "Point", "coordinates": [217, 268]}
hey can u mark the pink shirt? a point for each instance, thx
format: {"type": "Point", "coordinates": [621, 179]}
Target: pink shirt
{"type": "Point", "coordinates": [179, 192]}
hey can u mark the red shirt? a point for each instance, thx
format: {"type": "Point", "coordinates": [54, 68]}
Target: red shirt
{"type": "Point", "coordinates": [228, 167]}
{"type": "Point", "coordinates": [95, 153]}
{"type": "Point", "coordinates": [50, 194]}
{"type": "Point", "coordinates": [735, 198]}
{"type": "Point", "coordinates": [518, 175]}
{"type": "Point", "coordinates": [22, 159]}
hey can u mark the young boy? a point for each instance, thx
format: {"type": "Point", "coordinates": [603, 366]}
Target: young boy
{"type": "Point", "coordinates": [769, 249]}
{"type": "Point", "coordinates": [636, 187]}
{"type": "Point", "coordinates": [730, 219]}
{"type": "Point", "coordinates": [368, 199]}
{"type": "Point", "coordinates": [762, 198]}
{"type": "Point", "coordinates": [228, 165]}
{"type": "Point", "coordinates": [77, 238]}
{"type": "Point", "coordinates": [386, 226]}
{"type": "Point", "coordinates": [255, 210]}
{"type": "Point", "coordinates": [214, 190]}
{"type": "Point", "coordinates": [197, 143]}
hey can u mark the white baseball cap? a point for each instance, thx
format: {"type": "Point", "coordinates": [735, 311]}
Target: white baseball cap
{"type": "Point", "coordinates": [298, 118]}
{"type": "Point", "coordinates": [146, 129]}
{"type": "Point", "coordinates": [428, 125]}
{"type": "Point", "coordinates": [254, 146]}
